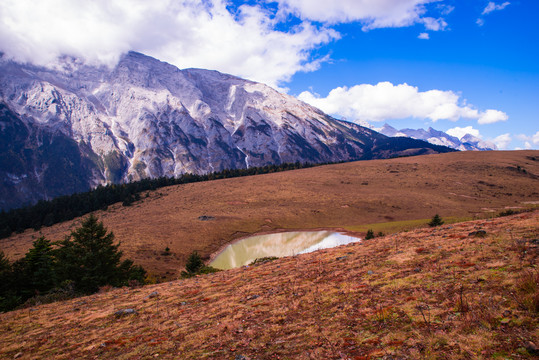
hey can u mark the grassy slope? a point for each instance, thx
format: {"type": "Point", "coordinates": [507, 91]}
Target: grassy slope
{"type": "Point", "coordinates": [461, 185]}
{"type": "Point", "coordinates": [429, 293]}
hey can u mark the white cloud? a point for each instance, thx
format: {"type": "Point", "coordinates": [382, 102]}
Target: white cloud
{"type": "Point", "coordinates": [445, 9]}
{"type": "Point", "coordinates": [424, 36]}
{"type": "Point", "coordinates": [529, 139]}
{"type": "Point", "coordinates": [434, 24]}
{"type": "Point", "coordinates": [186, 33]}
{"type": "Point", "coordinates": [461, 132]}
{"type": "Point", "coordinates": [372, 13]}
{"type": "Point", "coordinates": [492, 116]}
{"type": "Point", "coordinates": [248, 41]}
{"type": "Point", "coordinates": [385, 101]}
{"type": "Point", "coordinates": [502, 141]}
{"type": "Point", "coordinates": [493, 7]}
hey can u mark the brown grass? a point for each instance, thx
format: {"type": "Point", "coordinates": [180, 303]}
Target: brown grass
{"type": "Point", "coordinates": [461, 297]}
{"type": "Point", "coordinates": [388, 195]}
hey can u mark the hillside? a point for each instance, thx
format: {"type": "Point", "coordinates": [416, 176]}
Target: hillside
{"type": "Point", "coordinates": [347, 196]}
{"type": "Point", "coordinates": [461, 291]}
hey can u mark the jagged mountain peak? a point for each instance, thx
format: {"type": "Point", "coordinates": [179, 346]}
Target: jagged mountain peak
{"type": "Point", "coordinates": [437, 137]}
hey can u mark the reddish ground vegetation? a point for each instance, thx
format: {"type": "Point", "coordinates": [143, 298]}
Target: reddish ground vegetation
{"type": "Point", "coordinates": [460, 297]}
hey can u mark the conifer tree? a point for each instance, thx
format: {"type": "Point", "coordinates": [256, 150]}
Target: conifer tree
{"type": "Point", "coordinates": [194, 263]}
{"type": "Point", "coordinates": [369, 235]}
{"type": "Point", "coordinates": [436, 221]}
{"type": "Point", "coordinates": [90, 259]}
{"type": "Point", "coordinates": [38, 263]}
{"type": "Point", "coordinates": [8, 297]}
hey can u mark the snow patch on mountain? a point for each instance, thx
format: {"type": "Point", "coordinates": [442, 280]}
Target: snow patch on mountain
{"type": "Point", "coordinates": [466, 143]}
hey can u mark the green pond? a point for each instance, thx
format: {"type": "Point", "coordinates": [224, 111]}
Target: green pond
{"type": "Point", "coordinates": [249, 249]}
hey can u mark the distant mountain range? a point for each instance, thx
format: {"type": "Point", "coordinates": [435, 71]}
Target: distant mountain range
{"type": "Point", "coordinates": [71, 128]}
{"type": "Point", "coordinates": [467, 142]}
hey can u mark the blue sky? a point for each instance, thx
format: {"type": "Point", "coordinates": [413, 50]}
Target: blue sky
{"type": "Point", "coordinates": [492, 65]}
{"type": "Point", "coordinates": [456, 65]}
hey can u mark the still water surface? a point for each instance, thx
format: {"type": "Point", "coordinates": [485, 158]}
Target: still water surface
{"type": "Point", "coordinates": [249, 249]}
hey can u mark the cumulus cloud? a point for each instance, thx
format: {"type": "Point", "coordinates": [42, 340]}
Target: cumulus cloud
{"type": "Point", "coordinates": [372, 13]}
{"type": "Point", "coordinates": [493, 7]}
{"type": "Point", "coordinates": [186, 33]}
{"type": "Point", "coordinates": [460, 132]}
{"type": "Point", "coordinates": [502, 141]}
{"type": "Point", "coordinates": [424, 36]}
{"type": "Point", "coordinates": [529, 139]}
{"type": "Point", "coordinates": [385, 101]}
{"type": "Point", "coordinates": [492, 116]}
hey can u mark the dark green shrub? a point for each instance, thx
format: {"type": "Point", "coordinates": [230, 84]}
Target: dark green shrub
{"type": "Point", "coordinates": [195, 266]}
{"type": "Point", "coordinates": [507, 212]}
{"type": "Point", "coordinates": [263, 260]}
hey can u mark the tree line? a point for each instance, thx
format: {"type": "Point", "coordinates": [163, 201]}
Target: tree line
{"type": "Point", "coordinates": [68, 207]}
{"type": "Point", "coordinates": [80, 264]}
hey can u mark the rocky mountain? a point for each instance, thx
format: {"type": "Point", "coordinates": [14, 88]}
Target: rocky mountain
{"type": "Point", "coordinates": [74, 126]}
{"type": "Point", "coordinates": [436, 137]}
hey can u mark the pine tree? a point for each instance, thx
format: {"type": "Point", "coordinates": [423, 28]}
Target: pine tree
{"type": "Point", "coordinates": [39, 274]}
{"type": "Point", "coordinates": [8, 298]}
{"type": "Point", "coordinates": [194, 263]}
{"type": "Point", "coordinates": [436, 221]}
{"type": "Point", "coordinates": [90, 258]}
{"type": "Point", "coordinates": [369, 235]}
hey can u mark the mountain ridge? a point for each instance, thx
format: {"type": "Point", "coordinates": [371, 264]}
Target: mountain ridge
{"type": "Point", "coordinates": [146, 118]}
{"type": "Point", "coordinates": [466, 143]}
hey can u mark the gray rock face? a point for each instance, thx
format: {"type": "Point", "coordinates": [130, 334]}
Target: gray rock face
{"type": "Point", "coordinates": [78, 126]}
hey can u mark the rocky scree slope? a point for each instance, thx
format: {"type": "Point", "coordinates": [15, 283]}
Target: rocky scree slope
{"type": "Point", "coordinates": [76, 126]}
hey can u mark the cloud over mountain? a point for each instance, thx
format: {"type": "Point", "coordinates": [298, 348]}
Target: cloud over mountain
{"type": "Point", "coordinates": [185, 33]}
{"type": "Point", "coordinates": [249, 41]}
{"type": "Point", "coordinates": [460, 132]}
{"type": "Point", "coordinates": [385, 100]}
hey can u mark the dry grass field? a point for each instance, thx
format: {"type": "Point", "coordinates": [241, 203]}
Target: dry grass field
{"type": "Point", "coordinates": [461, 291]}
{"type": "Point", "coordinates": [387, 195]}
